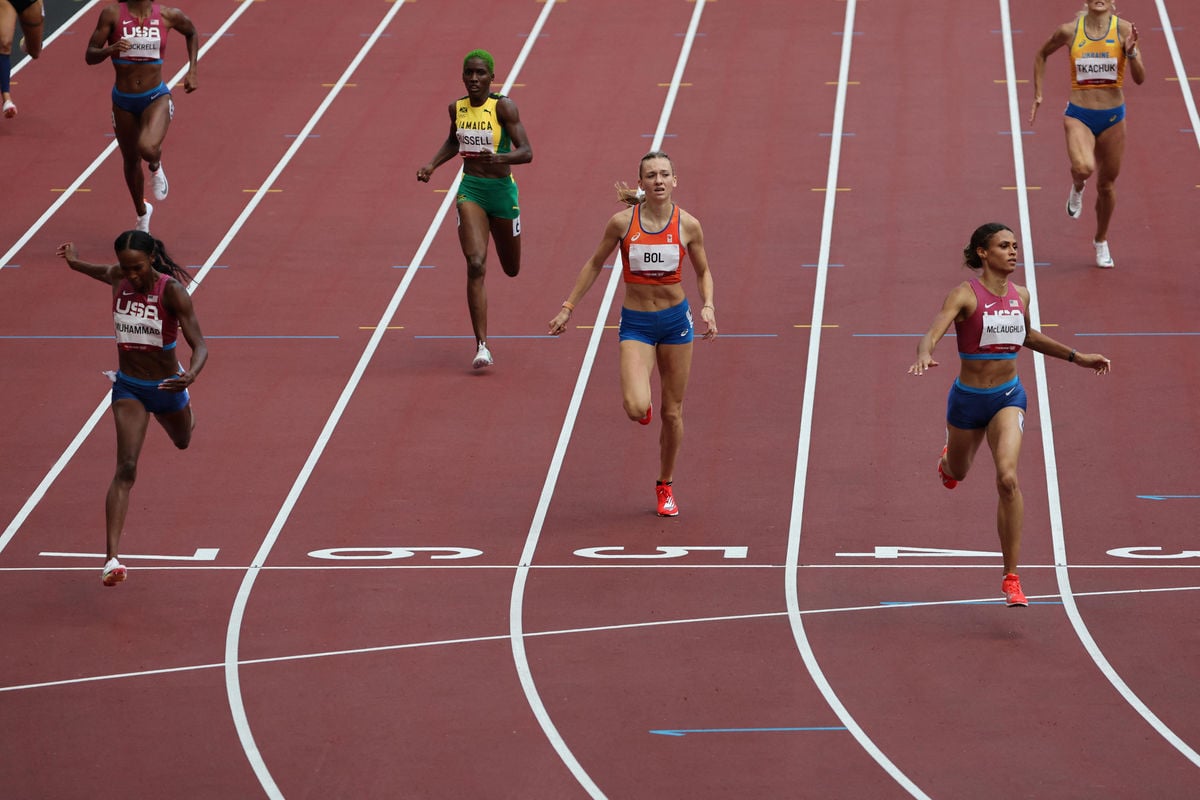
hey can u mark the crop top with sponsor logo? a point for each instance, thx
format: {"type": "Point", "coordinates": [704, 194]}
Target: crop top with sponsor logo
{"type": "Point", "coordinates": [653, 257]}
{"type": "Point", "coordinates": [996, 329]}
{"type": "Point", "coordinates": [147, 37]}
{"type": "Point", "coordinates": [1097, 62]}
{"type": "Point", "coordinates": [478, 128]}
{"type": "Point", "coordinates": [142, 321]}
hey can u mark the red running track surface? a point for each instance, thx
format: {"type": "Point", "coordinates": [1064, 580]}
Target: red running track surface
{"type": "Point", "coordinates": [378, 573]}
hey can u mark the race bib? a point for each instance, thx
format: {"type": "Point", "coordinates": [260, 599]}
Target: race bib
{"type": "Point", "coordinates": [653, 259]}
{"type": "Point", "coordinates": [1003, 327]}
{"type": "Point", "coordinates": [1093, 71]}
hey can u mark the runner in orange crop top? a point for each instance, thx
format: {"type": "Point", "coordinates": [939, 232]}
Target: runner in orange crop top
{"type": "Point", "coordinates": [1101, 46]}
{"type": "Point", "coordinates": [654, 236]}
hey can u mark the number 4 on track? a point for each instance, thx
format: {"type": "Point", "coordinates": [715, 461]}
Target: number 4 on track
{"type": "Point", "coordinates": [890, 551]}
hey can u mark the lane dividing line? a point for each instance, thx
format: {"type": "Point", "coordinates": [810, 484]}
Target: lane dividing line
{"type": "Point", "coordinates": [521, 577]}
{"type": "Point", "coordinates": [1180, 72]}
{"type": "Point", "coordinates": [806, 416]}
{"type": "Point", "coordinates": [237, 613]}
{"type": "Point", "coordinates": [1043, 391]}
{"type": "Point", "coordinates": [65, 195]}
{"type": "Point", "coordinates": [149, 673]}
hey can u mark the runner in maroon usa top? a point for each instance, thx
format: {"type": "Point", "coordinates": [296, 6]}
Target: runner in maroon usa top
{"type": "Point", "coordinates": [134, 35]}
{"type": "Point", "coordinates": [150, 306]}
{"type": "Point", "coordinates": [991, 319]}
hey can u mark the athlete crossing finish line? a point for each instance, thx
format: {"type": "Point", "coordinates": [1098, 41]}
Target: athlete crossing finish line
{"type": "Point", "coordinates": [150, 307]}
{"type": "Point", "coordinates": [486, 130]}
{"type": "Point", "coordinates": [991, 322]}
{"type": "Point", "coordinates": [656, 328]}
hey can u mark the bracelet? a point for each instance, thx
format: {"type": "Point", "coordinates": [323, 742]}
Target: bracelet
{"type": "Point", "coordinates": [707, 305]}
{"type": "Point", "coordinates": [568, 305]}
{"type": "Point", "coordinates": [1072, 356]}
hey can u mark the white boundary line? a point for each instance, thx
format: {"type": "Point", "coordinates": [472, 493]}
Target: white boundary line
{"type": "Point", "coordinates": [802, 450]}
{"type": "Point", "coordinates": [1180, 71]}
{"type": "Point", "coordinates": [242, 8]}
{"type": "Point", "coordinates": [1047, 427]}
{"type": "Point", "coordinates": [40, 491]}
{"type": "Point", "coordinates": [237, 613]}
{"type": "Point", "coordinates": [564, 632]}
{"type": "Point", "coordinates": [516, 603]}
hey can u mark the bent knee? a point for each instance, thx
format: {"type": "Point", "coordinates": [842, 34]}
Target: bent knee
{"type": "Point", "coordinates": [1007, 484]}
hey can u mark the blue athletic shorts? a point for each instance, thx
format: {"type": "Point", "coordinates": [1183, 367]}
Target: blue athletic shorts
{"type": "Point", "coordinates": [1098, 120]}
{"type": "Point", "coordinates": [670, 326]}
{"type": "Point", "coordinates": [137, 103]}
{"type": "Point", "coordinates": [969, 408]}
{"type": "Point", "coordinates": [154, 399]}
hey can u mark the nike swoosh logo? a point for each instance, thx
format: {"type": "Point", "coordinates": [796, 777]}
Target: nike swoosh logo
{"type": "Point", "coordinates": [125, 293]}
{"type": "Point", "coordinates": [1010, 391]}
{"type": "Point", "coordinates": [989, 305]}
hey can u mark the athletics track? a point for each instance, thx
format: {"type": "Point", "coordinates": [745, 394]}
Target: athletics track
{"type": "Point", "coordinates": [376, 573]}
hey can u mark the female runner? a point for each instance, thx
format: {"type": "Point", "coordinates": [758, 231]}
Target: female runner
{"type": "Point", "coordinates": [150, 307]}
{"type": "Point", "coordinates": [991, 321]}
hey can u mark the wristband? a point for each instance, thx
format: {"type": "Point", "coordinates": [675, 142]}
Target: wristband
{"type": "Point", "coordinates": [568, 305]}
{"type": "Point", "coordinates": [1072, 356]}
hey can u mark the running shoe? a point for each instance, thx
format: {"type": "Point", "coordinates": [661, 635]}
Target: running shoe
{"type": "Point", "coordinates": [114, 572]}
{"type": "Point", "coordinates": [10, 109]}
{"type": "Point", "coordinates": [483, 357]}
{"type": "Point", "coordinates": [1011, 586]}
{"type": "Point", "coordinates": [947, 481]}
{"type": "Point", "coordinates": [666, 501]}
{"type": "Point", "coordinates": [1075, 203]}
{"type": "Point", "coordinates": [143, 221]}
{"type": "Point", "coordinates": [1103, 257]}
{"type": "Point", "coordinates": [649, 415]}
{"type": "Point", "coordinates": [159, 179]}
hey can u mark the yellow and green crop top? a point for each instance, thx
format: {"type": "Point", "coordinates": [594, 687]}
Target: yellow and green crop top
{"type": "Point", "coordinates": [478, 127]}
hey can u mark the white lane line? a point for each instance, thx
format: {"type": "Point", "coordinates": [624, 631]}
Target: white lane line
{"type": "Point", "coordinates": [564, 632]}
{"type": "Point", "coordinates": [112, 146]}
{"type": "Point", "coordinates": [40, 491]}
{"type": "Point", "coordinates": [805, 442]}
{"type": "Point", "coordinates": [1181, 75]}
{"type": "Point", "coordinates": [237, 613]}
{"type": "Point", "coordinates": [516, 604]}
{"type": "Point", "coordinates": [1047, 427]}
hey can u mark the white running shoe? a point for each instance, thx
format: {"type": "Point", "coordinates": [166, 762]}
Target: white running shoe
{"type": "Point", "coordinates": [114, 572]}
{"type": "Point", "coordinates": [10, 109]}
{"type": "Point", "coordinates": [159, 178]}
{"type": "Point", "coordinates": [1103, 257]}
{"type": "Point", "coordinates": [483, 357]}
{"type": "Point", "coordinates": [143, 223]}
{"type": "Point", "coordinates": [1075, 203]}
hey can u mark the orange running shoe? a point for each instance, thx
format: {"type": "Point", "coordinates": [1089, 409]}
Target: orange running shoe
{"type": "Point", "coordinates": [666, 500]}
{"type": "Point", "coordinates": [947, 481]}
{"type": "Point", "coordinates": [1013, 596]}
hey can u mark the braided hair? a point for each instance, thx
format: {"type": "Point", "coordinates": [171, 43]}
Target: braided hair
{"type": "Point", "coordinates": [156, 250]}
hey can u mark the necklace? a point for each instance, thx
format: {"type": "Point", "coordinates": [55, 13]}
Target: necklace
{"type": "Point", "coordinates": [1103, 29]}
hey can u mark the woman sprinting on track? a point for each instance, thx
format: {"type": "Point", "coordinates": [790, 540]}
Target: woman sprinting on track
{"type": "Point", "coordinates": [1101, 45]}
{"type": "Point", "coordinates": [656, 324]}
{"type": "Point", "coordinates": [486, 130]}
{"type": "Point", "coordinates": [150, 307]}
{"type": "Point", "coordinates": [134, 35]}
{"type": "Point", "coordinates": [30, 14]}
{"type": "Point", "coordinates": [991, 321]}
